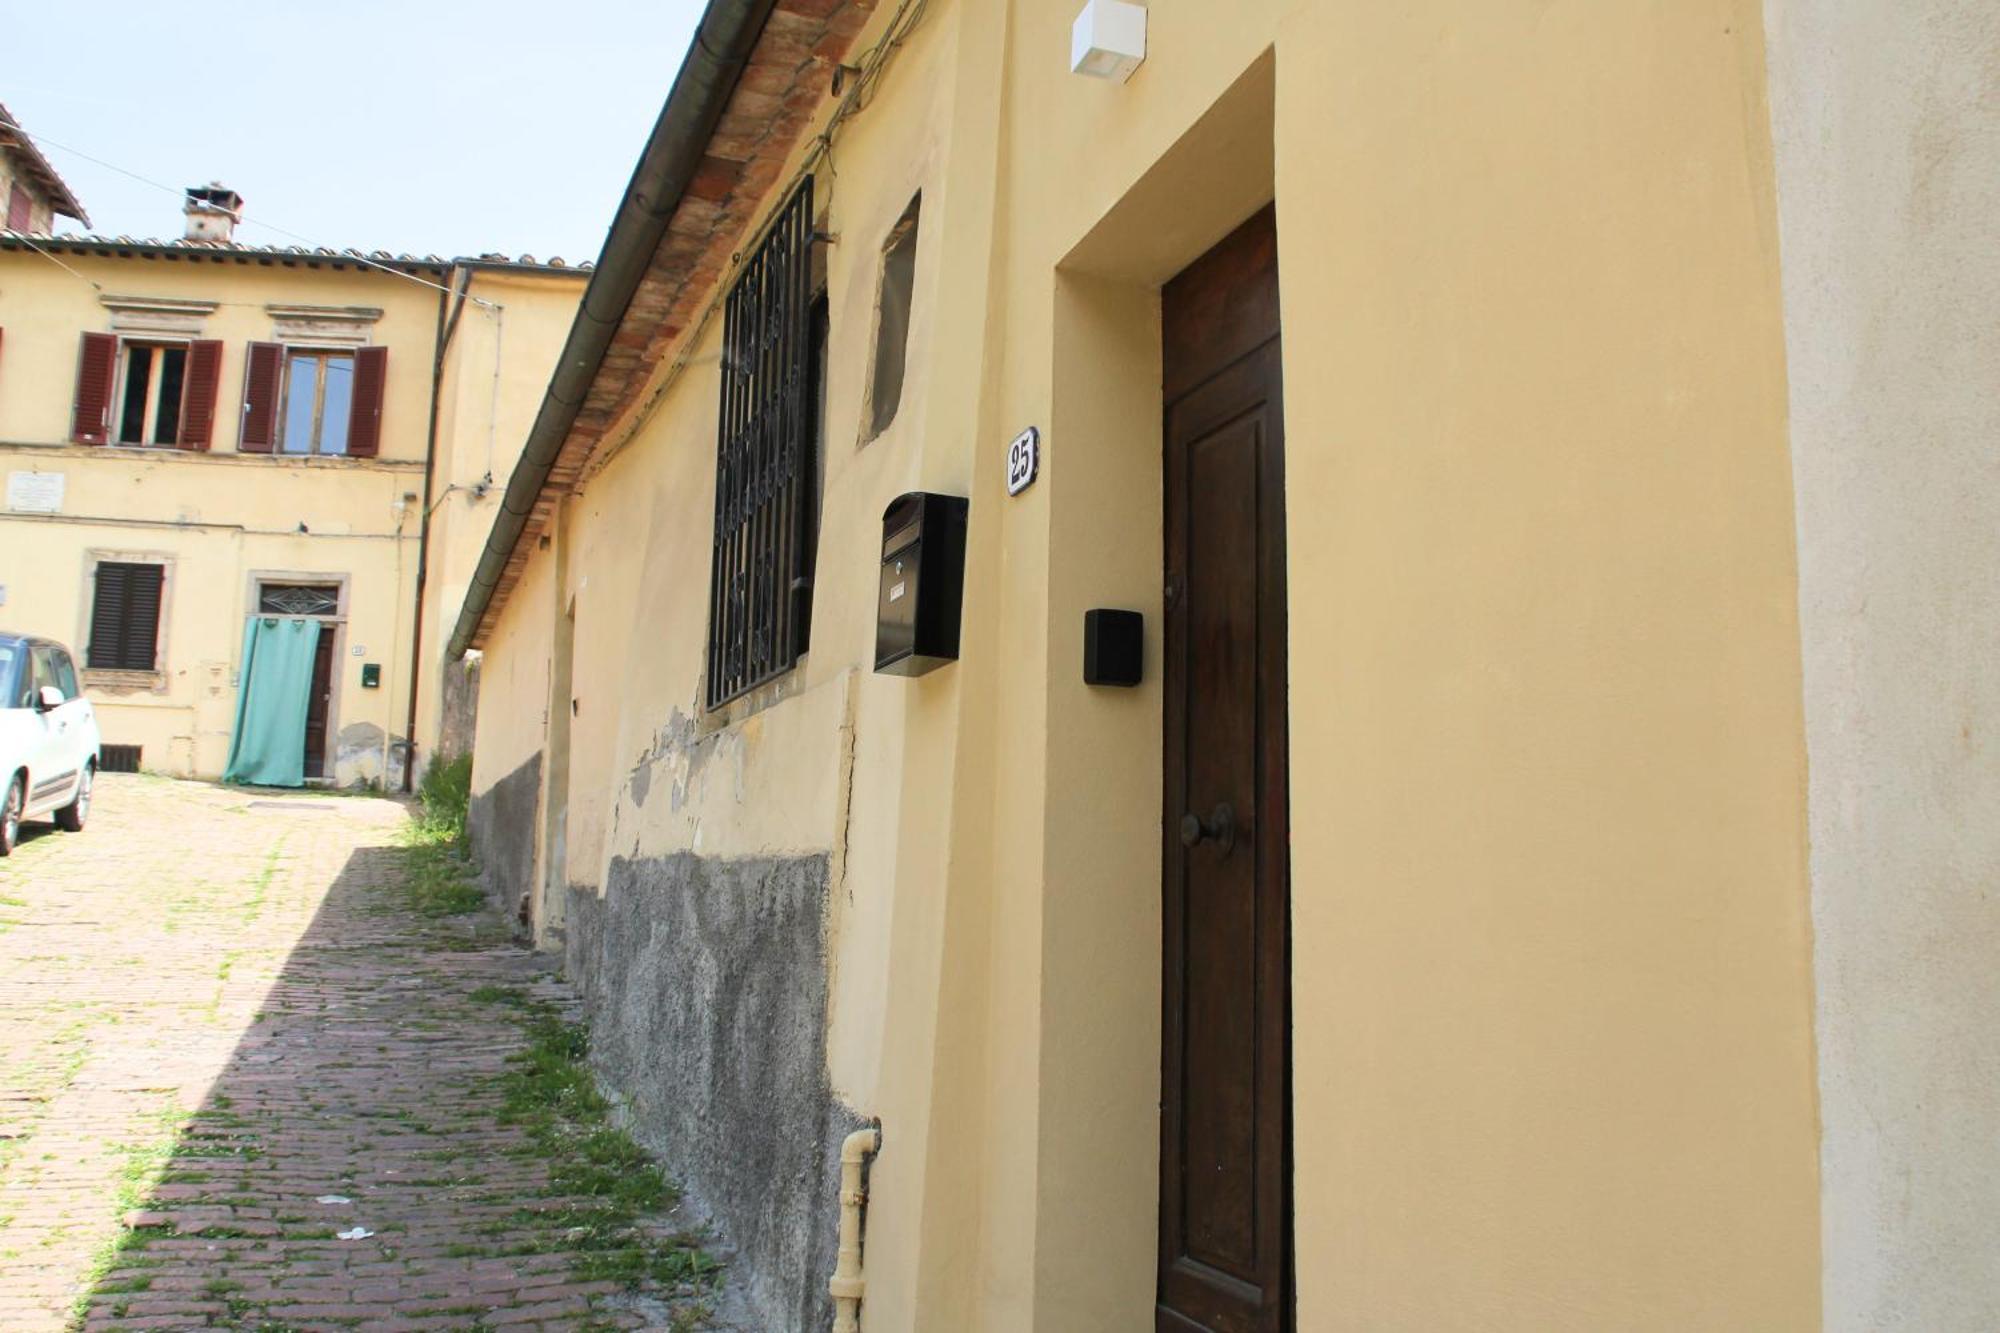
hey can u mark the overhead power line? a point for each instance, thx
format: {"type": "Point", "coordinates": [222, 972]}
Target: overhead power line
{"type": "Point", "coordinates": [177, 192]}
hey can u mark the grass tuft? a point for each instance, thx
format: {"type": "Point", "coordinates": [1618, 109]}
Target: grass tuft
{"type": "Point", "coordinates": [445, 795]}
{"type": "Point", "coordinates": [604, 1180]}
{"type": "Point", "coordinates": [440, 878]}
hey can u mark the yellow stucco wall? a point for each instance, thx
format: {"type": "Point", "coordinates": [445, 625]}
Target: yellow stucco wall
{"type": "Point", "coordinates": [514, 684]}
{"type": "Point", "coordinates": [496, 365]}
{"type": "Point", "coordinates": [235, 528]}
{"type": "Point", "coordinates": [44, 308]}
{"type": "Point", "coordinates": [219, 519]}
{"type": "Point", "coordinates": [1551, 902]}
{"type": "Point", "coordinates": [1552, 1022]}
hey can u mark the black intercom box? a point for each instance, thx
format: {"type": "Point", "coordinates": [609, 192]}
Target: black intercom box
{"type": "Point", "coordinates": [923, 583]}
{"type": "Point", "coordinates": [1114, 647]}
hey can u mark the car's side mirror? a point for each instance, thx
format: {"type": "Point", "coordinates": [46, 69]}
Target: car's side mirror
{"type": "Point", "coordinates": [50, 698]}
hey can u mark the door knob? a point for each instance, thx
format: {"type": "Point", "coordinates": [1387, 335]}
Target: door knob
{"type": "Point", "coordinates": [1219, 828]}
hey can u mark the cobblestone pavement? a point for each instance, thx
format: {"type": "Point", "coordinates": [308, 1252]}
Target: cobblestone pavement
{"type": "Point", "coordinates": [226, 1043]}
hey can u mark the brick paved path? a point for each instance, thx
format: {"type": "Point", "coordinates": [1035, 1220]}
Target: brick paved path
{"type": "Point", "coordinates": [217, 1009]}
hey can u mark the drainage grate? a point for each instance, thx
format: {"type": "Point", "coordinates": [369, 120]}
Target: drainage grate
{"type": "Point", "coordinates": [118, 759]}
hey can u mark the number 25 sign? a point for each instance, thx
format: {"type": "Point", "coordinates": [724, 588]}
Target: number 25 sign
{"type": "Point", "coordinates": [1024, 459]}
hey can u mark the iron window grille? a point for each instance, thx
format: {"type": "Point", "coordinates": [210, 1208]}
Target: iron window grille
{"type": "Point", "coordinates": [297, 599]}
{"type": "Point", "coordinates": [760, 585]}
{"type": "Point", "coordinates": [118, 758]}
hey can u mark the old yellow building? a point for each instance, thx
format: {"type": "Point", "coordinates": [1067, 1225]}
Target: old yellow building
{"type": "Point", "coordinates": [204, 440]}
{"type": "Point", "coordinates": [34, 194]}
{"type": "Point", "coordinates": [1517, 429]}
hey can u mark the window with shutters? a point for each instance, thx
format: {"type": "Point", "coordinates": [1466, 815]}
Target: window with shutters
{"type": "Point", "coordinates": [150, 398]}
{"type": "Point", "coordinates": [138, 393]}
{"type": "Point", "coordinates": [318, 402]}
{"type": "Point", "coordinates": [766, 502]}
{"type": "Point", "coordinates": [125, 616]}
{"type": "Point", "coordinates": [313, 400]}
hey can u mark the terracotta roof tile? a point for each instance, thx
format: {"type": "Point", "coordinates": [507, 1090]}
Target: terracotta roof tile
{"type": "Point", "coordinates": [90, 243]}
{"type": "Point", "coordinates": [64, 198]}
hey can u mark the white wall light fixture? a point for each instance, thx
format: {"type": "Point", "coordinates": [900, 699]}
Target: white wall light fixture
{"type": "Point", "coordinates": [1108, 39]}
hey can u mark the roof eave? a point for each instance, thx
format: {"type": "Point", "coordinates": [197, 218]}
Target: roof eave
{"type": "Point", "coordinates": [153, 248]}
{"type": "Point", "coordinates": [61, 198]}
{"type": "Point", "coordinates": [724, 39]}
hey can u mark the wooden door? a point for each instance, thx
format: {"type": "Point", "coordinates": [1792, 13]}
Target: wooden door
{"type": "Point", "coordinates": [319, 705]}
{"type": "Point", "coordinates": [1225, 1170]}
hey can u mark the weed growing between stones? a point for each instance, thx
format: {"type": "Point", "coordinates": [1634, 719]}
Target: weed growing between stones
{"type": "Point", "coordinates": [143, 1165]}
{"type": "Point", "coordinates": [604, 1181]}
{"type": "Point", "coordinates": [440, 878]}
{"type": "Point", "coordinates": [444, 796]}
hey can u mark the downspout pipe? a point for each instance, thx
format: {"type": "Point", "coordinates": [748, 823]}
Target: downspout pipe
{"type": "Point", "coordinates": [460, 285]}
{"type": "Point", "coordinates": [849, 1285]}
{"type": "Point", "coordinates": [722, 44]}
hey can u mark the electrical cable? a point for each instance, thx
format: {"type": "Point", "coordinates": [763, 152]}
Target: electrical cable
{"type": "Point", "coordinates": [350, 256]}
{"type": "Point", "coordinates": [23, 237]}
{"type": "Point", "coordinates": [29, 241]}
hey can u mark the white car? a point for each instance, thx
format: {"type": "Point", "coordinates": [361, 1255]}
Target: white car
{"type": "Point", "coordinates": [48, 738]}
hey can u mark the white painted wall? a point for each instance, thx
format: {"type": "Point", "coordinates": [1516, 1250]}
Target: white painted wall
{"type": "Point", "coordinates": [1886, 115]}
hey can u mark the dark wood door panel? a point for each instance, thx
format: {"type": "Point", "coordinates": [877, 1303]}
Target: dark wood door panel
{"type": "Point", "coordinates": [1223, 306]}
{"type": "Point", "coordinates": [1225, 1206]}
{"type": "Point", "coordinates": [319, 705]}
{"type": "Point", "coordinates": [1218, 1144]}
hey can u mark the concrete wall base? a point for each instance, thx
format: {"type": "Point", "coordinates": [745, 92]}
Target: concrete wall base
{"type": "Point", "coordinates": [705, 982]}
{"type": "Point", "coordinates": [501, 825]}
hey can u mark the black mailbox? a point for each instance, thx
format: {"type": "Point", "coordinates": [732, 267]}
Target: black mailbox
{"type": "Point", "coordinates": [923, 583]}
{"type": "Point", "coordinates": [1114, 647]}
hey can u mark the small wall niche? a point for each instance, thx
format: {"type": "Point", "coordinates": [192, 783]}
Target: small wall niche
{"type": "Point", "coordinates": [892, 319]}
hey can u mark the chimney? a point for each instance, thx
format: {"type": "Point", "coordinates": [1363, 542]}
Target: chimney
{"type": "Point", "coordinates": [213, 210]}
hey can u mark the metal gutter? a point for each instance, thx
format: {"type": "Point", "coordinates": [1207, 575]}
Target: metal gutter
{"type": "Point", "coordinates": [583, 270]}
{"type": "Point", "coordinates": [722, 44]}
{"type": "Point", "coordinates": [441, 344]}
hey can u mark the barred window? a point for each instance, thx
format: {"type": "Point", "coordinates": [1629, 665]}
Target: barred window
{"type": "Point", "coordinates": [766, 502]}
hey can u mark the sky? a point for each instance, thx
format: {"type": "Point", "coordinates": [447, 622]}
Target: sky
{"type": "Point", "coordinates": [428, 126]}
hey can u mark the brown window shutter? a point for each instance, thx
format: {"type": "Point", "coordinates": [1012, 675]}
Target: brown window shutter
{"type": "Point", "coordinates": [20, 208]}
{"type": "Point", "coordinates": [371, 374]}
{"type": "Point", "coordinates": [96, 372]}
{"type": "Point", "coordinates": [125, 617]}
{"type": "Point", "coordinates": [262, 363]}
{"type": "Point", "coordinates": [204, 373]}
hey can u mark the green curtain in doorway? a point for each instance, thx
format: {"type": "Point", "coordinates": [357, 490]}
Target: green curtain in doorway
{"type": "Point", "coordinates": [268, 748]}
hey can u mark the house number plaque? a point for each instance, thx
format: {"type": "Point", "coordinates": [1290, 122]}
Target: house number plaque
{"type": "Point", "coordinates": [1024, 460]}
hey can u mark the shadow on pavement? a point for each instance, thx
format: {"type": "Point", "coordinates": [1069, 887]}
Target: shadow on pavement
{"type": "Point", "coordinates": [348, 1168]}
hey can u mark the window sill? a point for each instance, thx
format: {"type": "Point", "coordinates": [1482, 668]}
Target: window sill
{"type": "Point", "coordinates": [755, 700]}
{"type": "Point", "coordinates": [124, 682]}
{"type": "Point", "coordinates": [220, 455]}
